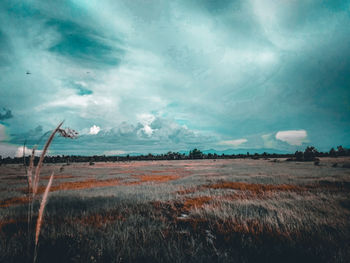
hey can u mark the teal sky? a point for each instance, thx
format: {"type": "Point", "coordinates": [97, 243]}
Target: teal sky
{"type": "Point", "coordinates": [157, 76]}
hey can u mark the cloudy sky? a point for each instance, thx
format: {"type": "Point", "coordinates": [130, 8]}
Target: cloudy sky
{"type": "Point", "coordinates": [156, 76]}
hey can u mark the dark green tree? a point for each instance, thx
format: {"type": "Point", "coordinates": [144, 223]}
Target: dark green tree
{"type": "Point", "coordinates": [196, 154]}
{"type": "Point", "coordinates": [310, 153]}
{"type": "Point", "coordinates": [332, 152]}
{"type": "Point", "coordinates": [341, 151]}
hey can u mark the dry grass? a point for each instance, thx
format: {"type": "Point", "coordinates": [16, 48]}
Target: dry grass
{"type": "Point", "coordinates": [155, 178]}
{"type": "Point", "coordinates": [196, 202]}
{"type": "Point", "coordinates": [41, 210]}
{"type": "Point", "coordinates": [256, 188]}
{"type": "Point", "coordinates": [14, 201]}
{"type": "Point", "coordinates": [195, 211]}
{"type": "Point", "coordinates": [90, 183]}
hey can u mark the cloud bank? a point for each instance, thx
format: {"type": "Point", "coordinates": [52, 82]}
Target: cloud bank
{"type": "Point", "coordinates": [293, 137]}
{"type": "Point", "coordinates": [206, 72]}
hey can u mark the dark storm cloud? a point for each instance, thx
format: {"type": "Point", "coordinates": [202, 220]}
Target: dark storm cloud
{"type": "Point", "coordinates": [5, 114]}
{"type": "Point", "coordinates": [84, 44]}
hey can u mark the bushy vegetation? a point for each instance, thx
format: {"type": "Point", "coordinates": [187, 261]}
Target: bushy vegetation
{"type": "Point", "coordinates": [311, 154]}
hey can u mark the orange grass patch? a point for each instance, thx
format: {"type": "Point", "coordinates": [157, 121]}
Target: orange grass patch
{"type": "Point", "coordinates": [196, 202]}
{"type": "Point", "coordinates": [14, 201]}
{"type": "Point", "coordinates": [78, 185]}
{"type": "Point", "coordinates": [250, 190]}
{"type": "Point", "coordinates": [89, 183]}
{"type": "Point", "coordinates": [157, 178]}
{"type": "Point", "coordinates": [190, 190]}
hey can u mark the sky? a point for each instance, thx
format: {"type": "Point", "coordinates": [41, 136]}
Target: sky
{"type": "Point", "coordinates": [150, 76]}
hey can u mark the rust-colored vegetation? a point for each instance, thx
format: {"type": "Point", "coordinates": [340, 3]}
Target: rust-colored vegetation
{"type": "Point", "coordinates": [244, 190]}
{"type": "Point", "coordinates": [190, 190]}
{"type": "Point", "coordinates": [14, 201]}
{"type": "Point", "coordinates": [78, 185]}
{"type": "Point", "coordinates": [90, 183]}
{"type": "Point", "coordinates": [155, 178]}
{"type": "Point", "coordinates": [196, 202]}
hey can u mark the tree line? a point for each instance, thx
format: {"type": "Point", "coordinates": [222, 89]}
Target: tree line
{"type": "Point", "coordinates": [309, 154]}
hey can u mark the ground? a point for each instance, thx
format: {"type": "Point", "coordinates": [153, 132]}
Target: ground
{"type": "Point", "coordinates": [239, 210]}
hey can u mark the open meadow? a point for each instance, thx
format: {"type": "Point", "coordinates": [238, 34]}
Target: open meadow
{"type": "Point", "coordinates": [225, 210]}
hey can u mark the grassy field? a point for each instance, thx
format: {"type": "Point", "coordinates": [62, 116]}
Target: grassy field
{"type": "Point", "coordinates": [239, 210]}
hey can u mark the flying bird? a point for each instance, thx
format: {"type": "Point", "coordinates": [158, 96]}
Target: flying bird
{"type": "Point", "coordinates": [28, 73]}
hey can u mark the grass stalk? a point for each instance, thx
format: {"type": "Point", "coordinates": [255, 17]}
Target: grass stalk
{"type": "Point", "coordinates": [30, 199]}
{"type": "Point", "coordinates": [33, 184]}
{"type": "Point", "coordinates": [40, 163]}
{"type": "Point", "coordinates": [41, 213]}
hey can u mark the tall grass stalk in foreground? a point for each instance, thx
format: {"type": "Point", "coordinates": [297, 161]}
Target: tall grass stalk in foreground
{"type": "Point", "coordinates": [33, 184]}
{"type": "Point", "coordinates": [40, 216]}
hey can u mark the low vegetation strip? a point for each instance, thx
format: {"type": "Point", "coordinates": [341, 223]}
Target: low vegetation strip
{"type": "Point", "coordinates": [226, 211]}
{"type": "Point", "coordinates": [155, 178]}
{"type": "Point", "coordinates": [243, 186]}
{"type": "Point", "coordinates": [257, 188]}
{"type": "Point", "coordinates": [14, 201]}
{"type": "Point", "coordinates": [196, 202]}
{"type": "Point", "coordinates": [91, 183]}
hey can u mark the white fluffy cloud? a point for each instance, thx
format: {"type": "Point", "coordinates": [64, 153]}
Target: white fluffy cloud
{"type": "Point", "coordinates": [94, 130]}
{"type": "Point", "coordinates": [147, 130]}
{"type": "Point", "coordinates": [292, 137]}
{"type": "Point", "coordinates": [27, 151]}
{"type": "Point", "coordinates": [233, 143]}
{"type": "Point", "coordinates": [146, 120]}
{"type": "Point", "coordinates": [115, 152]}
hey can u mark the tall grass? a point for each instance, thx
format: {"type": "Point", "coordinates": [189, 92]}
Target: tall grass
{"type": "Point", "coordinates": [231, 211]}
{"type": "Point", "coordinates": [33, 184]}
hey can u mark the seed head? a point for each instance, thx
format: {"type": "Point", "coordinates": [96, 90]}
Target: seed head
{"type": "Point", "coordinates": [68, 133]}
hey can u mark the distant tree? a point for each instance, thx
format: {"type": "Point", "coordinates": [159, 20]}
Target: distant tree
{"type": "Point", "coordinates": [196, 154]}
{"type": "Point", "coordinates": [299, 156]}
{"type": "Point", "coordinates": [310, 153]}
{"type": "Point", "coordinates": [332, 152]}
{"type": "Point", "coordinates": [341, 151]}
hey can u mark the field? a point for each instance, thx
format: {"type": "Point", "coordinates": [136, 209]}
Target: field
{"type": "Point", "coordinates": [239, 210]}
